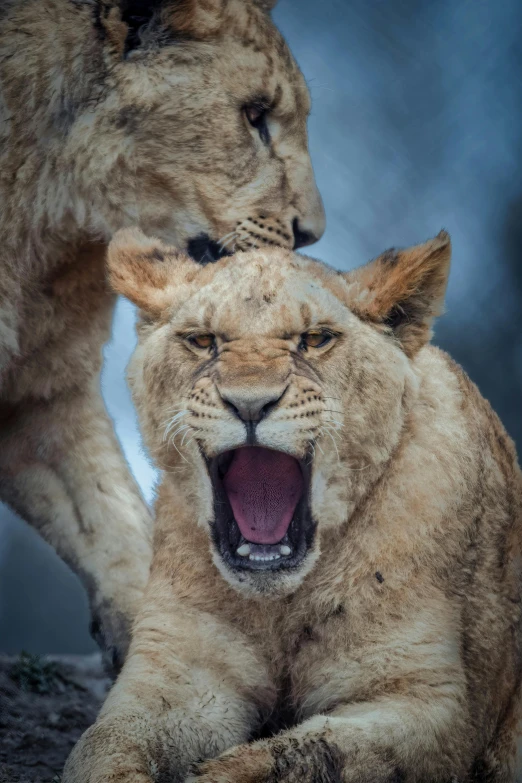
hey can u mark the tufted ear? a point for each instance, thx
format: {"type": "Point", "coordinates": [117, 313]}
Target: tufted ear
{"type": "Point", "coordinates": [404, 290]}
{"type": "Point", "coordinates": [158, 22]}
{"type": "Point", "coordinates": [146, 271]}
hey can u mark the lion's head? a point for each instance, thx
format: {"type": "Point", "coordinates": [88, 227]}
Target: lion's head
{"type": "Point", "coordinates": [195, 128]}
{"type": "Point", "coordinates": [275, 387]}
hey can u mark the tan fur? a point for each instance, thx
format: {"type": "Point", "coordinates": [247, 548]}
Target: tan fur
{"type": "Point", "coordinates": [394, 652]}
{"type": "Point", "coordinates": [94, 137]}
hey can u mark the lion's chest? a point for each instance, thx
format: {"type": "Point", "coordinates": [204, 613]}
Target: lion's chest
{"type": "Point", "coordinates": [315, 658]}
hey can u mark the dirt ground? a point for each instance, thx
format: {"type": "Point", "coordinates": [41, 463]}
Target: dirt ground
{"type": "Point", "coordinates": [45, 705]}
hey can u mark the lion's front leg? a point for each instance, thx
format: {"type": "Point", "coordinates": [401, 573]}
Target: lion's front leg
{"type": "Point", "coordinates": [386, 741]}
{"type": "Point", "coordinates": [190, 688]}
{"type": "Point", "coordinates": [62, 470]}
{"type": "Point", "coordinates": [410, 723]}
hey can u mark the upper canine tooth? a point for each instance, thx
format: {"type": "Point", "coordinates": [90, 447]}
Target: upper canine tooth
{"type": "Point", "coordinates": [243, 550]}
{"type": "Point", "coordinates": [284, 549]}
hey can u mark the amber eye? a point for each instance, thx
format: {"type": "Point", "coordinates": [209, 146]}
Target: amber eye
{"type": "Point", "coordinates": [203, 341]}
{"type": "Point", "coordinates": [315, 338]}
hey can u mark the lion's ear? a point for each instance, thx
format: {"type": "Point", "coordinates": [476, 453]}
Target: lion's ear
{"type": "Point", "coordinates": [144, 270]}
{"type": "Point", "coordinates": [404, 290]}
{"type": "Point", "coordinates": [156, 22]}
{"type": "Point", "coordinates": [197, 19]}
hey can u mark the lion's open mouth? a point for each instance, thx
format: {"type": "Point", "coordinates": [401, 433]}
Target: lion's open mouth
{"type": "Point", "coordinates": [262, 511]}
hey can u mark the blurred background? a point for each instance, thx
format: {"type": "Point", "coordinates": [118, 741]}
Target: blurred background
{"type": "Point", "coordinates": [416, 126]}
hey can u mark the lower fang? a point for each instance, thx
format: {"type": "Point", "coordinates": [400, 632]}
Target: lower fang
{"type": "Point", "coordinates": [285, 550]}
{"type": "Point", "coordinates": [243, 550]}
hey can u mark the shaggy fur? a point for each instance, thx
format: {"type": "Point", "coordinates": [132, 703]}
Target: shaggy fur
{"type": "Point", "coordinates": [114, 113]}
{"type": "Point", "coordinates": [393, 653]}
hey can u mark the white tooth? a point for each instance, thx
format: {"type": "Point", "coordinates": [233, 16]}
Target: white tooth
{"type": "Point", "coordinates": [243, 550]}
{"type": "Point", "coordinates": [284, 549]}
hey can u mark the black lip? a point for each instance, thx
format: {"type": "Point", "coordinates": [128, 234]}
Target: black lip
{"type": "Point", "coordinates": [227, 537]}
{"type": "Point", "coordinates": [205, 250]}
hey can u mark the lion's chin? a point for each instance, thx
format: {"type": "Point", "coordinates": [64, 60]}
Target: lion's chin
{"type": "Point", "coordinates": [262, 516]}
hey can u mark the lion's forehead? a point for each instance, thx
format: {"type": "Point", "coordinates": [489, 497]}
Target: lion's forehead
{"type": "Point", "coordinates": [260, 298]}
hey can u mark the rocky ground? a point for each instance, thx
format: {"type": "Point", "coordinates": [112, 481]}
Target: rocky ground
{"type": "Point", "coordinates": [45, 705]}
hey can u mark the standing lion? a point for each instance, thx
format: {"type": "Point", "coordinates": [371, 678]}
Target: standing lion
{"type": "Point", "coordinates": [187, 117]}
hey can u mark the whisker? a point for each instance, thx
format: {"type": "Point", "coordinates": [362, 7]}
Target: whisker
{"type": "Point", "coordinates": [172, 422]}
{"type": "Point", "coordinates": [178, 431]}
{"type": "Point", "coordinates": [312, 445]}
{"type": "Point", "coordinates": [328, 425]}
{"type": "Point", "coordinates": [180, 454]}
{"type": "Point", "coordinates": [227, 236]}
{"type": "Point", "coordinates": [187, 432]}
{"type": "Point", "coordinates": [335, 446]}
{"type": "Point", "coordinates": [331, 434]}
{"type": "Point", "coordinates": [223, 245]}
{"type": "Point", "coordinates": [334, 425]}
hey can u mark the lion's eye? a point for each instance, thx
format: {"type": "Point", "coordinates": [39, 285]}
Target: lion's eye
{"type": "Point", "coordinates": [254, 114]}
{"type": "Point", "coordinates": [257, 115]}
{"type": "Point", "coordinates": [315, 338]}
{"type": "Point", "coordinates": [203, 341]}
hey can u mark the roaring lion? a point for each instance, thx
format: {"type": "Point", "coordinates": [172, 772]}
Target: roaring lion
{"type": "Point", "coordinates": [185, 117]}
{"type": "Point", "coordinates": [336, 586]}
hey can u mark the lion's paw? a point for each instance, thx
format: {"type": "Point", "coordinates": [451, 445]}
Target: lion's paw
{"type": "Point", "coordinates": [244, 764]}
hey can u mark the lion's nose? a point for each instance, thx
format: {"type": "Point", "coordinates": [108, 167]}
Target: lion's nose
{"type": "Point", "coordinates": [306, 232]}
{"type": "Point", "coordinates": [251, 407]}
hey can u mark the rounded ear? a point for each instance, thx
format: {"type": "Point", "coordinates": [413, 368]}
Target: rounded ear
{"type": "Point", "coordinates": [404, 290]}
{"type": "Point", "coordinates": [145, 271]}
{"type": "Point", "coordinates": [196, 19]}
{"type": "Point", "coordinates": [133, 24]}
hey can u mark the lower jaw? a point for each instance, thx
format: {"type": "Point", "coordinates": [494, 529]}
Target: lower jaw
{"type": "Point", "coordinates": [264, 553]}
{"type": "Point", "coordinates": [288, 554]}
{"type": "Point", "coordinates": [266, 581]}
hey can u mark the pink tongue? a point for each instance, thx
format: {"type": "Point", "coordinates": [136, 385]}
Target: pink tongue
{"type": "Point", "coordinates": [263, 488]}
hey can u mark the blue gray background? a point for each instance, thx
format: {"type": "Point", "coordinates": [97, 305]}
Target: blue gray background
{"type": "Point", "coordinates": [416, 125]}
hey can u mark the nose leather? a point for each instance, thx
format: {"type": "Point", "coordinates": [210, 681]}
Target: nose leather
{"type": "Point", "coordinates": [251, 407]}
{"type": "Point", "coordinates": [302, 237]}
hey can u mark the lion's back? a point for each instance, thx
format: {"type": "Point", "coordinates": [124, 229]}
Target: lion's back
{"type": "Point", "coordinates": [487, 573]}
